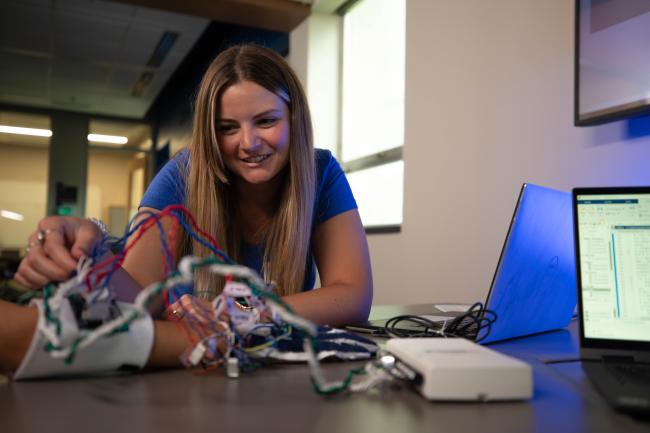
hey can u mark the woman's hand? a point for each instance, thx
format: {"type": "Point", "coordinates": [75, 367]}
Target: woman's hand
{"type": "Point", "coordinates": [55, 248]}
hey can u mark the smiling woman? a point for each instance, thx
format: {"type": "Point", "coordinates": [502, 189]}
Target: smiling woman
{"type": "Point", "coordinates": [253, 132]}
{"type": "Point", "coordinates": [258, 183]}
{"type": "Point", "coordinates": [253, 180]}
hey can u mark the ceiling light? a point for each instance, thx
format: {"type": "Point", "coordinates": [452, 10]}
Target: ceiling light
{"type": "Point", "coordinates": [25, 131]}
{"type": "Point", "coordinates": [111, 139]}
{"type": "Point", "coordinates": [11, 215]}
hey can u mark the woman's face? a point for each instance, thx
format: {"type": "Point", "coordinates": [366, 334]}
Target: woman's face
{"type": "Point", "coordinates": [253, 132]}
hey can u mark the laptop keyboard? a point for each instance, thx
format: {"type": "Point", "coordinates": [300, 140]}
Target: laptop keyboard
{"type": "Point", "coordinates": [626, 373]}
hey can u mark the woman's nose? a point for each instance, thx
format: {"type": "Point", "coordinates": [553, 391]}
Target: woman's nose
{"type": "Point", "coordinates": [250, 141]}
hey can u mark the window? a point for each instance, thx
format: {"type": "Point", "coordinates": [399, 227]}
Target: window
{"type": "Point", "coordinates": [372, 108]}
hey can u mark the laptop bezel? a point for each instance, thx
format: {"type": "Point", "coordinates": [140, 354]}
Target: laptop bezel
{"type": "Point", "coordinates": [604, 344]}
{"type": "Point", "coordinates": [505, 244]}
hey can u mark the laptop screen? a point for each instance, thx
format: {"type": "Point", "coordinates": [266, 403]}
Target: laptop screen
{"type": "Point", "coordinates": [613, 234]}
{"type": "Point", "coordinates": [534, 285]}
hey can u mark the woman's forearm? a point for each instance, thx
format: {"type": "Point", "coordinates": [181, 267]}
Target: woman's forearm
{"type": "Point", "coordinates": [334, 305]}
{"type": "Point", "coordinates": [17, 325]}
{"type": "Point", "coordinates": [169, 343]}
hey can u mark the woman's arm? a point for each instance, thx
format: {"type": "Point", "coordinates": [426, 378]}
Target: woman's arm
{"type": "Point", "coordinates": [17, 325]}
{"type": "Point", "coordinates": [341, 254]}
{"type": "Point", "coordinates": [53, 261]}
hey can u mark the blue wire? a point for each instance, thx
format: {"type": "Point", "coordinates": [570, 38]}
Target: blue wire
{"type": "Point", "coordinates": [130, 230]}
{"type": "Point", "coordinates": [196, 237]}
{"type": "Point", "coordinates": [166, 251]}
{"type": "Point", "coordinates": [163, 239]}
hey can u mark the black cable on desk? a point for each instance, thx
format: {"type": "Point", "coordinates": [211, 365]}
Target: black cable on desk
{"type": "Point", "coordinates": [475, 321]}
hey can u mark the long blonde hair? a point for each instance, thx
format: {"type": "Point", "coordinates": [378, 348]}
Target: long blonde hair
{"type": "Point", "coordinates": [210, 191]}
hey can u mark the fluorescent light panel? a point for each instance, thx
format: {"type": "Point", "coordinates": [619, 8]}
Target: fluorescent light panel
{"type": "Point", "coordinates": [11, 215]}
{"type": "Point", "coordinates": [96, 138]}
{"type": "Point", "coordinates": [111, 139]}
{"type": "Point", "coordinates": [25, 131]}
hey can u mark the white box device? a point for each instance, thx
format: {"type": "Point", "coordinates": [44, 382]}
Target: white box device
{"type": "Point", "coordinates": [457, 369]}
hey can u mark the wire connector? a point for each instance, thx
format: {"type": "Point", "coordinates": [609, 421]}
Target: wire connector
{"type": "Point", "coordinates": [232, 367]}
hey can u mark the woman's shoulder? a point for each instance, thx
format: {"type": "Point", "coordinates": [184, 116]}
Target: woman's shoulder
{"type": "Point", "coordinates": [168, 186]}
{"type": "Point", "coordinates": [178, 165]}
{"type": "Point", "coordinates": [182, 157]}
{"type": "Point", "coordinates": [323, 156]}
{"type": "Point", "coordinates": [325, 162]}
{"type": "Point", "coordinates": [333, 193]}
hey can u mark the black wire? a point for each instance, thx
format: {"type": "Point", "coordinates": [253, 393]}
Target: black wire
{"type": "Point", "coordinates": [476, 321]}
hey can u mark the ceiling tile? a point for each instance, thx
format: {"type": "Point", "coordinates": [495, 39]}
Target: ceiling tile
{"type": "Point", "coordinates": [24, 26]}
{"type": "Point", "coordinates": [139, 42]}
{"type": "Point", "coordinates": [120, 82]}
{"type": "Point", "coordinates": [77, 101]}
{"type": "Point", "coordinates": [21, 71]}
{"type": "Point", "coordinates": [70, 27]}
{"type": "Point", "coordinates": [81, 75]}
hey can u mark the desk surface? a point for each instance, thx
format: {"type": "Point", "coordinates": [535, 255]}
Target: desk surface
{"type": "Point", "coordinates": [281, 399]}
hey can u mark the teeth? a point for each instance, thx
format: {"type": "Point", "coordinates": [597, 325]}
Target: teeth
{"type": "Point", "coordinates": [255, 159]}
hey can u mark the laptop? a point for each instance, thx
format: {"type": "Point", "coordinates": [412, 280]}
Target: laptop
{"type": "Point", "coordinates": [612, 239]}
{"type": "Point", "coordinates": [533, 287]}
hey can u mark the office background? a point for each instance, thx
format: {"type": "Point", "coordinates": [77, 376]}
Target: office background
{"type": "Point", "coordinates": [488, 105]}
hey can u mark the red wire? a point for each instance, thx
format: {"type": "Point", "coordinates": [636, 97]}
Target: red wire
{"type": "Point", "coordinates": [174, 232]}
{"type": "Point", "coordinates": [167, 298]}
{"type": "Point", "coordinates": [119, 259]}
{"type": "Point", "coordinates": [183, 209]}
{"type": "Point", "coordinates": [146, 225]}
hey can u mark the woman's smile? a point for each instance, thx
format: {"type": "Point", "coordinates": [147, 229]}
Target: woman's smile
{"type": "Point", "coordinates": [256, 159]}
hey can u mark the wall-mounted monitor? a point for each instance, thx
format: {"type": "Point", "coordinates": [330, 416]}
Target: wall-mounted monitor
{"type": "Point", "coordinates": [612, 60]}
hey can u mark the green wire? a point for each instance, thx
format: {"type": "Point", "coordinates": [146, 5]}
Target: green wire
{"type": "Point", "coordinates": [344, 385]}
{"type": "Point", "coordinates": [73, 351]}
{"type": "Point", "coordinates": [47, 294]}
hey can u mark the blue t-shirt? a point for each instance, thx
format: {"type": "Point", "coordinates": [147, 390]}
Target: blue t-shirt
{"type": "Point", "coordinates": [333, 197]}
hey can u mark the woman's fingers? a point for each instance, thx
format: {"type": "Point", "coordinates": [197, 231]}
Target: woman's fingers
{"type": "Point", "coordinates": [84, 236]}
{"type": "Point", "coordinates": [200, 309]}
{"type": "Point", "coordinates": [40, 262]}
{"type": "Point", "coordinates": [48, 257]}
{"type": "Point", "coordinates": [55, 249]}
{"type": "Point", "coordinates": [36, 269]}
{"type": "Point", "coordinates": [28, 277]}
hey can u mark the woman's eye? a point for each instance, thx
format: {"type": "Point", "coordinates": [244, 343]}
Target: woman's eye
{"type": "Point", "coordinates": [226, 129]}
{"type": "Point", "coordinates": [267, 121]}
